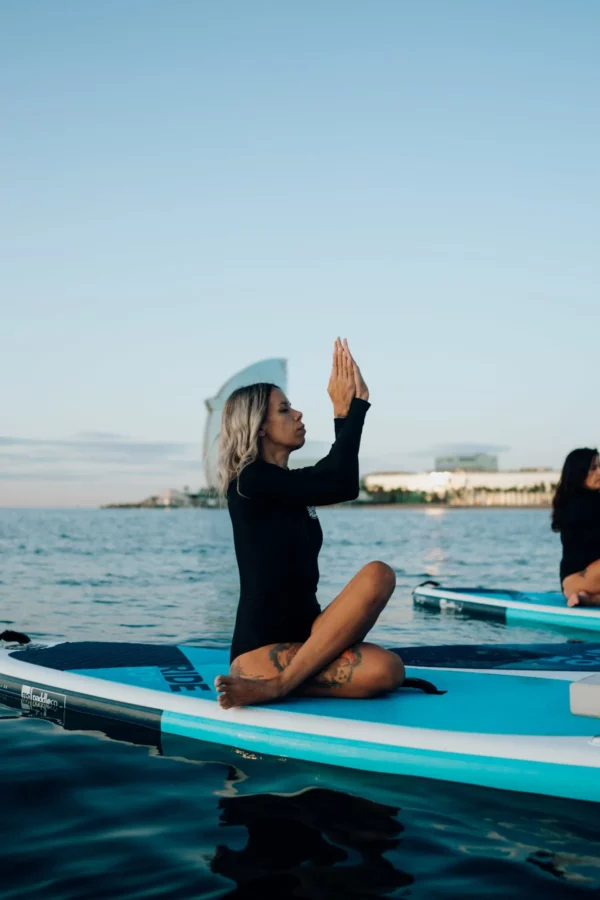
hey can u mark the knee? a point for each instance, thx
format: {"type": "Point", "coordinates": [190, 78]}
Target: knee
{"type": "Point", "coordinates": [388, 673]}
{"type": "Point", "coordinates": [382, 576]}
{"type": "Point", "coordinates": [395, 672]}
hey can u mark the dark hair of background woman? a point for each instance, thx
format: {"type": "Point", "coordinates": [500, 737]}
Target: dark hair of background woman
{"type": "Point", "coordinates": [575, 471]}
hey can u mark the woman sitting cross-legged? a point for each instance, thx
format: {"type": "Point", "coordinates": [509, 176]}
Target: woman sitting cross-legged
{"type": "Point", "coordinates": [282, 640]}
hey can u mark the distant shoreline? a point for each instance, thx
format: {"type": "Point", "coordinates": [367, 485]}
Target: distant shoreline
{"type": "Point", "coordinates": [383, 506]}
{"type": "Point", "coordinates": [446, 506]}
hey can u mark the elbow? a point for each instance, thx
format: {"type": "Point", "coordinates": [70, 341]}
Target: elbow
{"type": "Point", "coordinates": [349, 490]}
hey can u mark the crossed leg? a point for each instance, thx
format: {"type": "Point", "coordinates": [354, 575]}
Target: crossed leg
{"type": "Point", "coordinates": [583, 588]}
{"type": "Point", "coordinates": [334, 659]}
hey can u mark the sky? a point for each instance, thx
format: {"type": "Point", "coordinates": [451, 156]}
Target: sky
{"type": "Point", "coordinates": [187, 187]}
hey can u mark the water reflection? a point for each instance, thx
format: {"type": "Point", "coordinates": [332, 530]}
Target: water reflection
{"type": "Point", "coordinates": [247, 826]}
{"type": "Point", "coordinates": [325, 832]}
{"type": "Point", "coordinates": [319, 843]}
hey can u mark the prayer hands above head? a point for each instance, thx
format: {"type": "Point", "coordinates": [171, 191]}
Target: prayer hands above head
{"type": "Point", "coordinates": [342, 382]}
{"type": "Point", "coordinates": [361, 389]}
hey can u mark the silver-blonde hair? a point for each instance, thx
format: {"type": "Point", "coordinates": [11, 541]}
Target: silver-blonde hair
{"type": "Point", "coordinates": [239, 443]}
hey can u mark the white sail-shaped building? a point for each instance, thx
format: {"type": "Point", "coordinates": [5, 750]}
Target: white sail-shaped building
{"type": "Point", "coordinates": [271, 370]}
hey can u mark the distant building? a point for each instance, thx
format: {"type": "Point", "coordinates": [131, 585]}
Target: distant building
{"type": "Point", "coordinates": [172, 498]}
{"type": "Point", "coordinates": [439, 482]}
{"type": "Point", "coordinates": [523, 488]}
{"type": "Point", "coordinates": [271, 370]}
{"type": "Point", "coordinates": [476, 462]}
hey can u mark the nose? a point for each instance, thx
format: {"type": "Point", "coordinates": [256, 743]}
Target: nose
{"type": "Point", "coordinates": [297, 415]}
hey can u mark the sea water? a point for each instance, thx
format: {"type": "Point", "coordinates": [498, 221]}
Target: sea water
{"type": "Point", "coordinates": [85, 815]}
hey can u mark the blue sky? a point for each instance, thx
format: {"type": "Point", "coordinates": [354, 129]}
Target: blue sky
{"type": "Point", "coordinates": [190, 186]}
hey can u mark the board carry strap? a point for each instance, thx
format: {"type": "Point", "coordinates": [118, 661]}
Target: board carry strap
{"type": "Point", "coordinates": [421, 685]}
{"type": "Point", "coordinates": [15, 637]}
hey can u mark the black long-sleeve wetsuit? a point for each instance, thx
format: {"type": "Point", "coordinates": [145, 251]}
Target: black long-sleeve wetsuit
{"type": "Point", "coordinates": [580, 532]}
{"type": "Point", "coordinates": [278, 537]}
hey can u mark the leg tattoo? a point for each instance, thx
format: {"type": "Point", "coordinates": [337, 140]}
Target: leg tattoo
{"type": "Point", "coordinates": [238, 671]}
{"type": "Point", "coordinates": [281, 655]}
{"type": "Point", "coordinates": [340, 671]}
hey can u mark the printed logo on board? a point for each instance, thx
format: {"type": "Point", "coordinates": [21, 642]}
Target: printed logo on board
{"type": "Point", "coordinates": [312, 512]}
{"type": "Point", "coordinates": [184, 678]}
{"type": "Point", "coordinates": [42, 703]}
{"type": "Point", "coordinates": [587, 660]}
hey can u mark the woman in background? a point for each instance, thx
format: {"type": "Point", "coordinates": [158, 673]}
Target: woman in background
{"type": "Point", "coordinates": [576, 516]}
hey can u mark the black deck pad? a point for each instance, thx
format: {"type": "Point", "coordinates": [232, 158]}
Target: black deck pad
{"type": "Point", "coordinates": [102, 655]}
{"type": "Point", "coordinates": [552, 657]}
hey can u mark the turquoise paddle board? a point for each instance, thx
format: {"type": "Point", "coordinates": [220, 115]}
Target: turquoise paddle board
{"type": "Point", "coordinates": [509, 731]}
{"type": "Point", "coordinates": [511, 607]}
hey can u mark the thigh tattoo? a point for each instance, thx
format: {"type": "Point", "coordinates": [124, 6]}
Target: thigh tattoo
{"type": "Point", "coordinates": [335, 675]}
{"type": "Point", "coordinates": [340, 671]}
{"type": "Point", "coordinates": [238, 670]}
{"type": "Point", "coordinates": [281, 655]}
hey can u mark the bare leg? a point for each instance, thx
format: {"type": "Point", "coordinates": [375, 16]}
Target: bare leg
{"type": "Point", "coordinates": [344, 623]}
{"type": "Point", "coordinates": [363, 670]}
{"type": "Point", "coordinates": [583, 588]}
{"type": "Point", "coordinates": [339, 606]}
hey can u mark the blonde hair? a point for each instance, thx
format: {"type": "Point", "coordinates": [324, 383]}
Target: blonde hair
{"type": "Point", "coordinates": [243, 415]}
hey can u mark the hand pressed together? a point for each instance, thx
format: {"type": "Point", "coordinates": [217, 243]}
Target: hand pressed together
{"type": "Point", "coordinates": [361, 389]}
{"type": "Point", "coordinates": [342, 383]}
{"type": "Point", "coordinates": [346, 381]}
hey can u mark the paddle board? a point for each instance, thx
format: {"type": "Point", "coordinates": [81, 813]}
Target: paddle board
{"type": "Point", "coordinates": [566, 660]}
{"type": "Point", "coordinates": [501, 731]}
{"type": "Point", "coordinates": [511, 607]}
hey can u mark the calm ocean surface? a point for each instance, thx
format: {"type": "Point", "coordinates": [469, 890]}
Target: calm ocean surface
{"type": "Point", "coordinates": [88, 816]}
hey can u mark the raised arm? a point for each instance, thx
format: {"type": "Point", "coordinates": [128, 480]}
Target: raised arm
{"type": "Point", "coordinates": [361, 391]}
{"type": "Point", "coordinates": [333, 479]}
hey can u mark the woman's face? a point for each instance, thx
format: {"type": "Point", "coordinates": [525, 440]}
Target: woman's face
{"type": "Point", "coordinates": [283, 426]}
{"type": "Point", "coordinates": [592, 482]}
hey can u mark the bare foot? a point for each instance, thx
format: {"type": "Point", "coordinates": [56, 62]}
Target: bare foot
{"type": "Point", "coordinates": [235, 691]}
{"type": "Point", "coordinates": [578, 599]}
